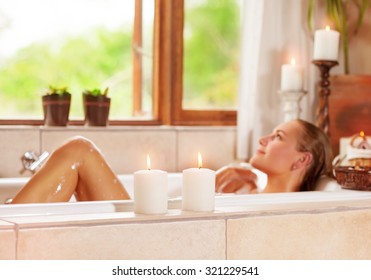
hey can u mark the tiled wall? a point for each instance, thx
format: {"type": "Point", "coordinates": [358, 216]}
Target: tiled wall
{"type": "Point", "coordinates": [125, 148]}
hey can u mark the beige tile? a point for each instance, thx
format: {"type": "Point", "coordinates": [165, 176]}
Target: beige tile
{"type": "Point", "coordinates": [7, 241]}
{"type": "Point", "coordinates": [174, 240]}
{"type": "Point", "coordinates": [126, 149]}
{"type": "Point", "coordinates": [217, 147]}
{"type": "Point", "coordinates": [171, 148]}
{"type": "Point", "coordinates": [340, 235]}
{"type": "Point", "coordinates": [13, 144]}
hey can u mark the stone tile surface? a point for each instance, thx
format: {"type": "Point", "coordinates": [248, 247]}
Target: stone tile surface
{"type": "Point", "coordinates": [125, 150]}
{"type": "Point", "coordinates": [7, 241]}
{"type": "Point", "coordinates": [174, 240]}
{"type": "Point", "coordinates": [217, 148]}
{"type": "Point", "coordinates": [13, 144]}
{"type": "Point", "coordinates": [332, 235]}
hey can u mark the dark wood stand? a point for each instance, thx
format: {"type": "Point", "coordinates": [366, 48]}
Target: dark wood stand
{"type": "Point", "coordinates": [322, 117]}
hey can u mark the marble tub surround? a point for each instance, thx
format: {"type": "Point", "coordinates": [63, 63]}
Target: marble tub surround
{"type": "Point", "coordinates": [120, 235]}
{"type": "Point", "coordinates": [8, 239]}
{"type": "Point", "coordinates": [329, 235]}
{"type": "Point", "coordinates": [172, 148]}
{"type": "Point", "coordinates": [308, 225]}
{"type": "Point", "coordinates": [198, 239]}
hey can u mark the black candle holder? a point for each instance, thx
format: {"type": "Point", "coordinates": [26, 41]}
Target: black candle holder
{"type": "Point", "coordinates": [324, 91]}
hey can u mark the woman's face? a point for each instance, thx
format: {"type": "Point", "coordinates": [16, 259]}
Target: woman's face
{"type": "Point", "coordinates": [277, 152]}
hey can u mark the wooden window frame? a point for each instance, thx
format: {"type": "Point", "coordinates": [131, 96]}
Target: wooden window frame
{"type": "Point", "coordinates": [168, 72]}
{"type": "Point", "coordinates": [137, 58]}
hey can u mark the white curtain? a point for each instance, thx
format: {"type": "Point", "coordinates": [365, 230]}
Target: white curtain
{"type": "Point", "coordinates": [274, 31]}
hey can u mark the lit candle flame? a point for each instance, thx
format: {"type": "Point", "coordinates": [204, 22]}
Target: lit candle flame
{"type": "Point", "coordinates": [362, 134]}
{"type": "Point", "coordinates": [293, 62]}
{"type": "Point", "coordinates": [199, 160]}
{"type": "Point", "coordinates": [148, 162]}
{"type": "Point", "coordinates": [327, 27]}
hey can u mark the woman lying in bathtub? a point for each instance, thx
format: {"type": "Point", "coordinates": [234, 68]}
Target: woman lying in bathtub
{"type": "Point", "coordinates": [294, 157]}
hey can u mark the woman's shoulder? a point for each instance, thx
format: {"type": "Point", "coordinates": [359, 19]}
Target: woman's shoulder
{"type": "Point", "coordinates": [326, 183]}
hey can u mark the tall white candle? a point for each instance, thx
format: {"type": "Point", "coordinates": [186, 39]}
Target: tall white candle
{"type": "Point", "coordinates": [198, 190]}
{"type": "Point", "coordinates": [326, 44]}
{"type": "Point", "coordinates": [291, 77]}
{"type": "Point", "coordinates": [150, 191]}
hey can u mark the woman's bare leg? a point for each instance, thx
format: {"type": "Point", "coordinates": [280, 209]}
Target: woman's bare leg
{"type": "Point", "coordinates": [76, 167]}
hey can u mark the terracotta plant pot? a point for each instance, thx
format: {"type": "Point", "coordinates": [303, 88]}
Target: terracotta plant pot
{"type": "Point", "coordinates": [56, 109]}
{"type": "Point", "coordinates": [96, 109]}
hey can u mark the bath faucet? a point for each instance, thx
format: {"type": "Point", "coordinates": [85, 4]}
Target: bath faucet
{"type": "Point", "coordinates": [32, 162]}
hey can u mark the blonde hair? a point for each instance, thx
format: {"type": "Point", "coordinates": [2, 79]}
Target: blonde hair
{"type": "Point", "coordinates": [313, 140]}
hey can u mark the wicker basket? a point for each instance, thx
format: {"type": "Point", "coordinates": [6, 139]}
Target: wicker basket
{"type": "Point", "coordinates": [354, 178]}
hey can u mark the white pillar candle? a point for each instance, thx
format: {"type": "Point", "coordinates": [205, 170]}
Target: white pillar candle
{"type": "Point", "coordinates": [291, 77]}
{"type": "Point", "coordinates": [198, 190]}
{"type": "Point", "coordinates": [150, 191]}
{"type": "Point", "coordinates": [326, 44]}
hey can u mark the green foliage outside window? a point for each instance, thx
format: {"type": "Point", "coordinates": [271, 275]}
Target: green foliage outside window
{"type": "Point", "coordinates": [211, 62]}
{"type": "Point", "coordinates": [99, 57]}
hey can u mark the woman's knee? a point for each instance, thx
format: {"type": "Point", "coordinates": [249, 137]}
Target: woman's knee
{"type": "Point", "coordinates": [78, 144]}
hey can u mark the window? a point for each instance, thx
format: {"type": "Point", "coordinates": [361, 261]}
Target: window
{"type": "Point", "coordinates": [179, 92]}
{"type": "Point", "coordinates": [135, 47]}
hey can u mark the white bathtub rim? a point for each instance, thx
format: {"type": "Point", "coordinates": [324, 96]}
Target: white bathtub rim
{"type": "Point", "coordinates": [248, 201]}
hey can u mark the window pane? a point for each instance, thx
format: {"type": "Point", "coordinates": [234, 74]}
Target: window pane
{"type": "Point", "coordinates": [81, 44]}
{"type": "Point", "coordinates": [211, 54]}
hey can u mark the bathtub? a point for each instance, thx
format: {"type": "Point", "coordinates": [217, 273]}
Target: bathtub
{"type": "Point", "coordinates": [10, 186]}
{"type": "Point", "coordinates": [304, 224]}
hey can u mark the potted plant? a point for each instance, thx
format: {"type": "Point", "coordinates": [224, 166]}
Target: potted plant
{"type": "Point", "coordinates": [56, 106]}
{"type": "Point", "coordinates": [96, 107]}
